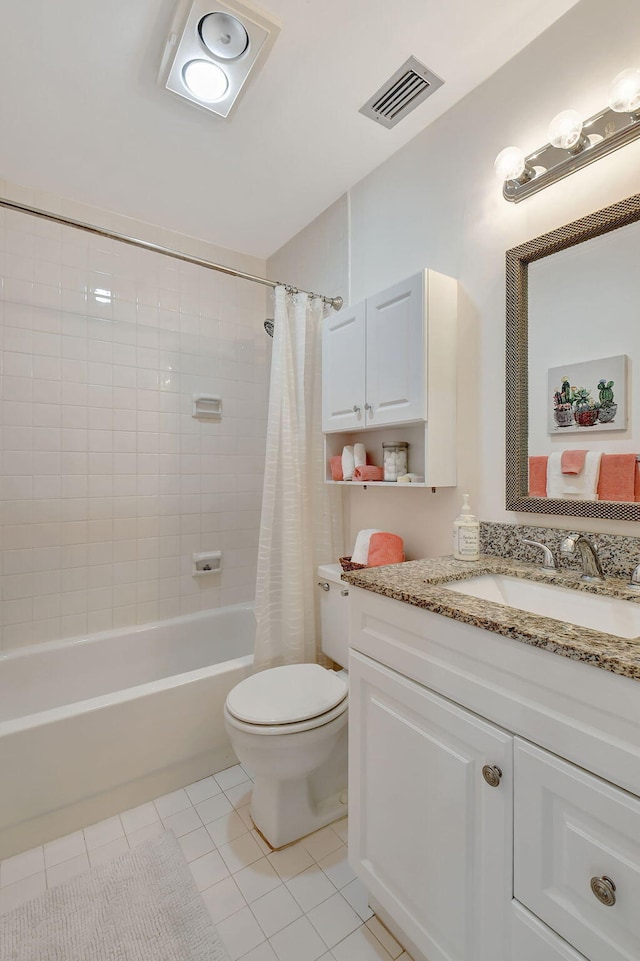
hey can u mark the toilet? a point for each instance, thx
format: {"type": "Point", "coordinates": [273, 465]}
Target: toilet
{"type": "Point", "coordinates": [288, 725]}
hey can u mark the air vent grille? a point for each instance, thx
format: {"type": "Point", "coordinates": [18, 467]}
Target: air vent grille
{"type": "Point", "coordinates": [402, 93]}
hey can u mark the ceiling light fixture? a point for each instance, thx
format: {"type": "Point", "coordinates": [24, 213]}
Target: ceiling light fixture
{"type": "Point", "coordinates": [573, 143]}
{"type": "Point", "coordinates": [211, 50]}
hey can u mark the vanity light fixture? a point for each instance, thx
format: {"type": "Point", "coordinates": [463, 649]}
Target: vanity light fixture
{"type": "Point", "coordinates": [573, 143]}
{"type": "Point", "coordinates": [212, 48]}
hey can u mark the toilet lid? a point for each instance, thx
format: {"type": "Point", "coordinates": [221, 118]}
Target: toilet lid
{"type": "Point", "coordinates": [284, 695]}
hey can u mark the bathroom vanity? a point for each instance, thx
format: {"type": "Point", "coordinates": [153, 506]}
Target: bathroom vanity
{"type": "Point", "coordinates": [494, 767]}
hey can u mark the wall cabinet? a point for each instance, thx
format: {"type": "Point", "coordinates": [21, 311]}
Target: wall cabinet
{"type": "Point", "coordinates": [538, 863]}
{"type": "Point", "coordinates": [391, 360]}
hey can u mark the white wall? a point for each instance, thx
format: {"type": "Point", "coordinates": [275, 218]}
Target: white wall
{"type": "Point", "coordinates": [437, 203]}
{"type": "Point", "coordinates": [108, 484]}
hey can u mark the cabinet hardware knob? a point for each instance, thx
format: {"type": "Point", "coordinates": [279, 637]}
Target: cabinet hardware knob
{"type": "Point", "coordinates": [355, 409]}
{"type": "Point", "coordinates": [324, 585]}
{"type": "Point", "coordinates": [604, 890]}
{"type": "Point", "coordinates": [368, 407]}
{"type": "Point", "coordinates": [344, 593]}
{"type": "Point", "coordinates": [492, 774]}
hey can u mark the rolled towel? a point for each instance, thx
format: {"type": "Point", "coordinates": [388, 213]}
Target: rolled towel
{"type": "Point", "coordinates": [572, 461]}
{"type": "Point", "coordinates": [385, 548]}
{"type": "Point", "coordinates": [617, 477]}
{"type": "Point", "coordinates": [359, 455]}
{"type": "Point", "coordinates": [335, 465]}
{"type": "Point", "coordinates": [368, 473]}
{"type": "Point", "coordinates": [348, 464]}
{"type": "Point", "coordinates": [361, 550]}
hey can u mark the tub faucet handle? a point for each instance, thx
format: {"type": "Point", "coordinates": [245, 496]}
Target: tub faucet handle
{"type": "Point", "coordinates": [634, 583]}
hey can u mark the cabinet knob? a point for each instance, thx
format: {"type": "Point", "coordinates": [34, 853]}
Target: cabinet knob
{"type": "Point", "coordinates": [604, 890]}
{"type": "Point", "coordinates": [324, 585]}
{"type": "Point", "coordinates": [368, 407]}
{"type": "Point", "coordinates": [355, 409]}
{"type": "Point", "coordinates": [492, 774]}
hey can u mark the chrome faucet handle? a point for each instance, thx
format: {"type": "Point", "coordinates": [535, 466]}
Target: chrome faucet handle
{"type": "Point", "coordinates": [634, 583]}
{"type": "Point", "coordinates": [568, 545]}
{"type": "Point", "coordinates": [548, 562]}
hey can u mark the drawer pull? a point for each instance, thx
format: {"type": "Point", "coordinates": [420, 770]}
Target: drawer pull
{"type": "Point", "coordinates": [492, 774]}
{"type": "Point", "coordinates": [324, 585]}
{"type": "Point", "coordinates": [604, 890]}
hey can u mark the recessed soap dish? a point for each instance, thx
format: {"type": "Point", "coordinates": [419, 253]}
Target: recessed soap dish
{"type": "Point", "coordinates": [209, 562]}
{"type": "Point", "coordinates": [207, 406]}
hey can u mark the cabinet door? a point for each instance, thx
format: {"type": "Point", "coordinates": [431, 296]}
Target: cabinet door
{"type": "Point", "coordinates": [343, 361]}
{"type": "Point", "coordinates": [395, 354]}
{"type": "Point", "coordinates": [534, 941]}
{"type": "Point", "coordinates": [428, 836]}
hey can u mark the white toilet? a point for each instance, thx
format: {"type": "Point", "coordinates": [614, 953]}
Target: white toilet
{"type": "Point", "coordinates": [289, 726]}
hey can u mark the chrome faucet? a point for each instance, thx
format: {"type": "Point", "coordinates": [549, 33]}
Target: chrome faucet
{"type": "Point", "coordinates": [591, 566]}
{"type": "Point", "coordinates": [548, 563]}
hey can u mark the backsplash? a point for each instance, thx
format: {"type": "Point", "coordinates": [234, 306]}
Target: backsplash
{"type": "Point", "coordinates": [618, 555]}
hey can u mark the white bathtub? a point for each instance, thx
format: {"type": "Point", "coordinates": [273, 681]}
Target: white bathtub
{"type": "Point", "coordinates": [92, 726]}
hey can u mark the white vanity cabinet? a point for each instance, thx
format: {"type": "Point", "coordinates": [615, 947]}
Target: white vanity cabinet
{"type": "Point", "coordinates": [543, 866]}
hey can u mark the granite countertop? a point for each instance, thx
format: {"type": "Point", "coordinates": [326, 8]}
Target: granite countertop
{"type": "Point", "coordinates": [420, 583]}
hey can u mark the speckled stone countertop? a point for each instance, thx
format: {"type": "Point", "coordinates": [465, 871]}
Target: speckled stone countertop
{"type": "Point", "coordinates": [421, 583]}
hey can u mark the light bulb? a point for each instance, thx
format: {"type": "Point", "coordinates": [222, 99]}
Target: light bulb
{"type": "Point", "coordinates": [624, 93]}
{"type": "Point", "coordinates": [509, 164]}
{"type": "Point", "coordinates": [565, 130]}
{"type": "Point", "coordinates": [205, 80]}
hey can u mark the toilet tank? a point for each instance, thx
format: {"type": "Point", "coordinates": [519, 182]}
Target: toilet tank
{"type": "Point", "coordinates": [334, 613]}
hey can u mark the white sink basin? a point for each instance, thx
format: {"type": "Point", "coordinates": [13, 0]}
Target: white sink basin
{"type": "Point", "coordinates": [609, 614]}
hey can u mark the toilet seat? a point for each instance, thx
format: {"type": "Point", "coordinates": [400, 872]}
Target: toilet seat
{"type": "Point", "coordinates": [295, 727]}
{"type": "Point", "coordinates": [291, 698]}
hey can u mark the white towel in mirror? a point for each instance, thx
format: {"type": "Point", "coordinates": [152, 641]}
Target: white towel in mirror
{"type": "Point", "coordinates": [582, 486]}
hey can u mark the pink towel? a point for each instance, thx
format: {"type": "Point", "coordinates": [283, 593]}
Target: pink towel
{"type": "Point", "coordinates": [384, 549]}
{"type": "Point", "coordinates": [538, 476]}
{"type": "Point", "coordinates": [637, 483]}
{"type": "Point", "coordinates": [572, 461]}
{"type": "Point", "coordinates": [369, 473]}
{"type": "Point", "coordinates": [617, 481]}
{"type": "Point", "coordinates": [335, 463]}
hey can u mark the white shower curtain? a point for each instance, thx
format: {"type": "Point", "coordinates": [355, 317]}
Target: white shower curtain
{"type": "Point", "coordinates": [301, 523]}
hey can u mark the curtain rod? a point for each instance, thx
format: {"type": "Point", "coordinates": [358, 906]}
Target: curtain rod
{"type": "Point", "coordinates": [335, 302]}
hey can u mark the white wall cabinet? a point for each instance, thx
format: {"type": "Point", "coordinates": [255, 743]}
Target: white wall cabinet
{"type": "Point", "coordinates": [543, 867]}
{"type": "Point", "coordinates": [391, 360]}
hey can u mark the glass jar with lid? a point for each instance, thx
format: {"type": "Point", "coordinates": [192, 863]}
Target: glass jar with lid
{"type": "Point", "coordinates": [395, 458]}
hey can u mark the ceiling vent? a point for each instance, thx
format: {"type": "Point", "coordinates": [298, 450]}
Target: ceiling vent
{"type": "Point", "coordinates": [402, 93]}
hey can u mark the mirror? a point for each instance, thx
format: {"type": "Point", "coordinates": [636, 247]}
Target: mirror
{"type": "Point", "coordinates": [572, 297]}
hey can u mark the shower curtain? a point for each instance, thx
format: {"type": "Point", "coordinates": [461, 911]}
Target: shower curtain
{"type": "Point", "coordinates": [301, 522]}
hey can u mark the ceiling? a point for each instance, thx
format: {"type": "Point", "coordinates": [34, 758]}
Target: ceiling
{"type": "Point", "coordinates": [82, 114]}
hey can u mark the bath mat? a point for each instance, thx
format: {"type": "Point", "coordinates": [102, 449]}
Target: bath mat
{"type": "Point", "coordinates": [141, 906]}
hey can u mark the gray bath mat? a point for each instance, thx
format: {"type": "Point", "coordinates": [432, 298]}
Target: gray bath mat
{"type": "Point", "coordinates": [141, 906]}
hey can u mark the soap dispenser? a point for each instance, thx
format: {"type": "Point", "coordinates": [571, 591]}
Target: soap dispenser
{"type": "Point", "coordinates": [466, 534]}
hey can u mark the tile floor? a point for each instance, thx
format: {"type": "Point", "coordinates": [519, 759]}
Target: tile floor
{"type": "Point", "coordinates": [300, 904]}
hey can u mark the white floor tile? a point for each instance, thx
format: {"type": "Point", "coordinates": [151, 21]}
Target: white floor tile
{"type": "Point", "coordinates": [13, 895]}
{"type": "Point", "coordinates": [240, 933]}
{"type": "Point", "coordinates": [240, 795]}
{"type": "Point", "coordinates": [385, 937]}
{"type": "Point", "coordinates": [311, 888]}
{"type": "Point", "coordinates": [201, 790]}
{"type": "Point", "coordinates": [321, 843]}
{"type": "Point", "coordinates": [151, 831]}
{"type": "Point", "coordinates": [63, 849]}
{"type": "Point", "coordinates": [67, 870]}
{"type": "Point", "coordinates": [245, 814]}
{"type": "Point", "coordinates": [291, 861]}
{"type": "Point", "coordinates": [231, 777]}
{"type": "Point", "coordinates": [108, 851]}
{"type": "Point", "coordinates": [223, 899]}
{"type": "Point", "coordinates": [21, 866]}
{"type": "Point", "coordinates": [196, 844]}
{"type": "Point", "coordinates": [342, 829]}
{"type": "Point", "coordinates": [264, 952]}
{"type": "Point", "coordinates": [257, 879]}
{"type": "Point", "coordinates": [337, 868]}
{"type": "Point", "coordinates": [356, 894]}
{"type": "Point", "coordinates": [103, 832]}
{"type": "Point", "coordinates": [171, 803]}
{"type": "Point", "coordinates": [226, 828]}
{"type": "Point", "coordinates": [360, 946]}
{"type": "Point", "coordinates": [260, 841]}
{"type": "Point", "coordinates": [240, 853]}
{"type": "Point", "coordinates": [276, 910]}
{"type": "Point", "coordinates": [334, 919]}
{"type": "Point", "coordinates": [298, 942]}
{"type": "Point", "coordinates": [214, 808]}
{"type": "Point", "coordinates": [183, 822]}
{"type": "Point", "coordinates": [139, 817]}
{"type": "Point", "coordinates": [208, 869]}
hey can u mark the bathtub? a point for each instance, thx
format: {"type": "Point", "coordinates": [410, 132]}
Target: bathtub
{"type": "Point", "coordinates": [92, 726]}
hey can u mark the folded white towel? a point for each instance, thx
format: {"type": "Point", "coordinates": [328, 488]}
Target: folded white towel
{"type": "Point", "coordinates": [582, 486]}
{"type": "Point", "coordinates": [360, 553]}
{"type": "Point", "coordinates": [348, 463]}
{"type": "Point", "coordinates": [359, 455]}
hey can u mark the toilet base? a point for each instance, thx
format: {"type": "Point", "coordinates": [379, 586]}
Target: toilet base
{"type": "Point", "coordinates": [283, 811]}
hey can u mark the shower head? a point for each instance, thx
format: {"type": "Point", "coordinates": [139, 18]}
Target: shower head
{"type": "Point", "coordinates": [268, 326]}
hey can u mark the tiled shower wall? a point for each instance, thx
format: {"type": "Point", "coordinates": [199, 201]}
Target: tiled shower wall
{"type": "Point", "coordinates": [108, 484]}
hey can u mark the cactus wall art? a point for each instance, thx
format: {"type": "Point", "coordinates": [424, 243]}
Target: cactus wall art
{"type": "Point", "coordinates": [588, 396]}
